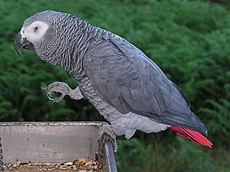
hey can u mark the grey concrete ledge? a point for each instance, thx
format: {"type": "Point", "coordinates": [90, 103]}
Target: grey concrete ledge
{"type": "Point", "coordinates": [55, 142]}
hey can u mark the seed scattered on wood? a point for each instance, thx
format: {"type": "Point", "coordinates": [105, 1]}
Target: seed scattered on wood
{"type": "Point", "coordinates": [79, 165]}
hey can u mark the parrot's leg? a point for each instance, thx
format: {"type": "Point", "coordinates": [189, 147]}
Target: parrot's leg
{"type": "Point", "coordinates": [64, 89]}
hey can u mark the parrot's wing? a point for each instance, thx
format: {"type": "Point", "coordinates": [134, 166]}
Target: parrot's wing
{"type": "Point", "coordinates": [126, 79]}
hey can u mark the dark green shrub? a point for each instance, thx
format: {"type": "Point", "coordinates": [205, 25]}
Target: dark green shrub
{"type": "Point", "coordinates": [189, 40]}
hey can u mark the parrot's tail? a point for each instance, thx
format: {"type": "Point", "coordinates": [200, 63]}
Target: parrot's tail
{"type": "Point", "coordinates": [194, 136]}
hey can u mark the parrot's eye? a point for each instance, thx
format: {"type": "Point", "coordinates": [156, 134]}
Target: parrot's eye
{"type": "Point", "coordinates": [35, 29]}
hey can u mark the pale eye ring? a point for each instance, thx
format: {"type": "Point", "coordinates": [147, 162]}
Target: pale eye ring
{"type": "Point", "coordinates": [35, 28]}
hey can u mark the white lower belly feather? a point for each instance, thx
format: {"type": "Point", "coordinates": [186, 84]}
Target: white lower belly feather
{"type": "Point", "coordinates": [127, 124]}
{"type": "Point", "coordinates": [132, 121]}
{"type": "Point", "coordinates": [122, 124]}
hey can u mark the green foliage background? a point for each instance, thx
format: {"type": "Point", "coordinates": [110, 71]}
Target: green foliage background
{"type": "Point", "coordinates": [189, 40]}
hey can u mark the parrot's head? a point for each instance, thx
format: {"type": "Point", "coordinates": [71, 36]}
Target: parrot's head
{"type": "Point", "coordinates": [45, 33]}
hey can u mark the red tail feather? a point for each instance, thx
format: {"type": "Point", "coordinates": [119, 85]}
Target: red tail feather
{"type": "Point", "coordinates": [194, 136]}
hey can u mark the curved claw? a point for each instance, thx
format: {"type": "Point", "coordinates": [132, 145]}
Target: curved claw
{"type": "Point", "coordinates": [49, 95]}
{"type": "Point", "coordinates": [58, 87]}
{"type": "Point", "coordinates": [58, 99]}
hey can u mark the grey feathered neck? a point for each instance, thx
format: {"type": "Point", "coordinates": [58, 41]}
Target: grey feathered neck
{"type": "Point", "coordinates": [67, 47]}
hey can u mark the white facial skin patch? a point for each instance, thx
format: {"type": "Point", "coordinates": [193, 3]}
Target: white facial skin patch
{"type": "Point", "coordinates": [35, 31]}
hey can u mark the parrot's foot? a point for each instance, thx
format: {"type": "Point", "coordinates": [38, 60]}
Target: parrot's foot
{"type": "Point", "coordinates": [64, 89]}
{"type": "Point", "coordinates": [107, 134]}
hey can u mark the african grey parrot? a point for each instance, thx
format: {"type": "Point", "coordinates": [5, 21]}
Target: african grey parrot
{"type": "Point", "coordinates": [124, 85]}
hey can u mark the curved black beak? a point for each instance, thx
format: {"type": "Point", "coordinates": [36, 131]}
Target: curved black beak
{"type": "Point", "coordinates": [18, 43]}
{"type": "Point", "coordinates": [22, 43]}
